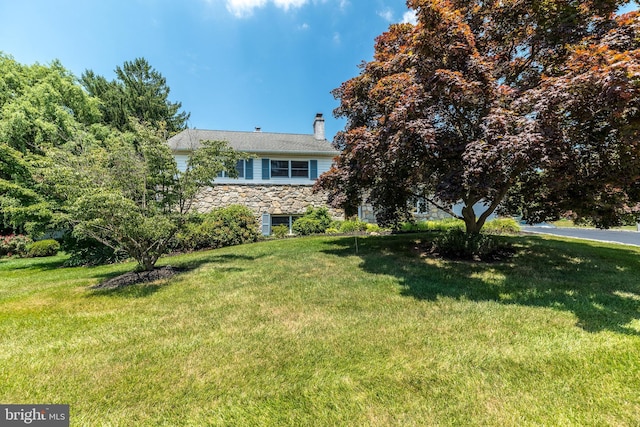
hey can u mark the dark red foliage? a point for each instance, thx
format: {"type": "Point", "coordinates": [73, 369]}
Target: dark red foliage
{"type": "Point", "coordinates": [534, 102]}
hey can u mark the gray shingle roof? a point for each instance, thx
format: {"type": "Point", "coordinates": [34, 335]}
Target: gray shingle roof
{"type": "Point", "coordinates": [254, 142]}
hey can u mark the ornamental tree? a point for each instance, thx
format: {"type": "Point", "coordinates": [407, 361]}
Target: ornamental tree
{"type": "Point", "coordinates": [474, 104]}
{"type": "Point", "coordinates": [588, 116]}
{"type": "Point", "coordinates": [127, 192]}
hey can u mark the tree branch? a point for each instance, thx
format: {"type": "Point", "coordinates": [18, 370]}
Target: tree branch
{"type": "Point", "coordinates": [432, 201]}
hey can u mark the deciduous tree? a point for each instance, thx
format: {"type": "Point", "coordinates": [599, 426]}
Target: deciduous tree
{"type": "Point", "coordinates": [41, 106]}
{"type": "Point", "coordinates": [485, 99]}
{"type": "Point", "coordinates": [127, 192]}
{"type": "Point", "coordinates": [588, 114]}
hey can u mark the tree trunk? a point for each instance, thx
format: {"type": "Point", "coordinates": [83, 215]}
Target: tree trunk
{"type": "Point", "coordinates": [147, 262]}
{"type": "Point", "coordinates": [469, 217]}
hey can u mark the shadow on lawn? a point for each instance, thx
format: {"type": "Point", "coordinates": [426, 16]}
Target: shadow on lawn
{"type": "Point", "coordinates": [37, 264]}
{"type": "Point", "coordinates": [599, 285]}
{"type": "Point", "coordinates": [141, 288]}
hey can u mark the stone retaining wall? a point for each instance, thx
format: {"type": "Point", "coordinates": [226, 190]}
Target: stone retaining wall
{"type": "Point", "coordinates": [261, 199]}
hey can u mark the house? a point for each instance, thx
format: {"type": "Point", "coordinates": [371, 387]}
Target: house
{"type": "Point", "coordinates": [277, 183]}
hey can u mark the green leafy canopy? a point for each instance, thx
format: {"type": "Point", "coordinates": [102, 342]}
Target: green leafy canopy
{"type": "Point", "coordinates": [128, 193]}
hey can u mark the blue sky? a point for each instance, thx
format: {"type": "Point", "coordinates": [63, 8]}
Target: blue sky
{"type": "Point", "coordinates": [234, 64]}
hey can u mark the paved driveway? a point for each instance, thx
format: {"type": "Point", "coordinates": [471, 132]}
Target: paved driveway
{"type": "Point", "coordinates": [614, 236]}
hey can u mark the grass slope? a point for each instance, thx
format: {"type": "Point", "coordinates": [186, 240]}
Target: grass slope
{"type": "Point", "coordinates": [307, 332]}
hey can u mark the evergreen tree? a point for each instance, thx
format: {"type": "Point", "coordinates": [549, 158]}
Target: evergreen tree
{"type": "Point", "coordinates": [138, 91]}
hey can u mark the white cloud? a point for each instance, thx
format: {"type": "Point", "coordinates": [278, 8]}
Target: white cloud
{"type": "Point", "coordinates": [243, 8]}
{"type": "Point", "coordinates": [303, 27]}
{"type": "Point", "coordinates": [337, 39]}
{"type": "Point", "coordinates": [410, 17]}
{"type": "Point", "coordinates": [386, 14]}
{"type": "Point", "coordinates": [286, 4]}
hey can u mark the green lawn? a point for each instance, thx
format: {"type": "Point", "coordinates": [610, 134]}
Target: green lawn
{"type": "Point", "coordinates": [305, 332]}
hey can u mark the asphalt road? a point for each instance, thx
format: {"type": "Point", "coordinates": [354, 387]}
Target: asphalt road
{"type": "Point", "coordinates": [614, 236]}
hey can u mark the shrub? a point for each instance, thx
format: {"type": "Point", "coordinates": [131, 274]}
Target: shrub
{"type": "Point", "coordinates": [227, 226]}
{"type": "Point", "coordinates": [353, 225]}
{"type": "Point", "coordinates": [447, 224]}
{"type": "Point", "coordinates": [332, 230]}
{"type": "Point", "coordinates": [495, 226]}
{"type": "Point", "coordinates": [373, 228]}
{"type": "Point", "coordinates": [456, 243]}
{"type": "Point", "coordinates": [43, 248]}
{"type": "Point", "coordinates": [314, 221]}
{"type": "Point", "coordinates": [280, 231]}
{"type": "Point", "coordinates": [88, 252]}
{"type": "Point", "coordinates": [14, 244]}
{"type": "Point", "coordinates": [305, 226]}
{"type": "Point", "coordinates": [433, 225]}
{"type": "Point", "coordinates": [502, 226]}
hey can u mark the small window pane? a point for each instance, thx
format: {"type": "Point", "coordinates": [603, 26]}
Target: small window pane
{"type": "Point", "coordinates": [240, 168]}
{"type": "Point", "coordinates": [287, 221]}
{"type": "Point", "coordinates": [280, 168]}
{"type": "Point", "coordinates": [300, 169]}
{"type": "Point", "coordinates": [279, 220]}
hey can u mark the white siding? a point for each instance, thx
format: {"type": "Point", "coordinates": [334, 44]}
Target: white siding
{"type": "Point", "coordinates": [181, 161]}
{"type": "Point", "coordinates": [478, 208]}
{"type": "Point", "coordinates": [324, 164]}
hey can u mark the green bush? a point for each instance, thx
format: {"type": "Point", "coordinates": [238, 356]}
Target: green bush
{"type": "Point", "coordinates": [433, 225]}
{"type": "Point", "coordinates": [353, 225]}
{"type": "Point", "coordinates": [502, 226]}
{"type": "Point", "coordinates": [373, 228]}
{"type": "Point", "coordinates": [305, 226]}
{"type": "Point", "coordinates": [14, 244]}
{"type": "Point", "coordinates": [280, 231]}
{"type": "Point", "coordinates": [43, 248]}
{"type": "Point", "coordinates": [314, 221]}
{"type": "Point", "coordinates": [495, 226]}
{"type": "Point", "coordinates": [88, 252]}
{"type": "Point", "coordinates": [228, 226]}
{"type": "Point", "coordinates": [456, 243]}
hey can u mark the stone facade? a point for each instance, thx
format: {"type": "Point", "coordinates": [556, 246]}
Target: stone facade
{"type": "Point", "coordinates": [287, 200]}
{"type": "Point", "coordinates": [426, 212]}
{"type": "Point", "coordinates": [261, 199]}
{"type": "Point", "coordinates": [430, 213]}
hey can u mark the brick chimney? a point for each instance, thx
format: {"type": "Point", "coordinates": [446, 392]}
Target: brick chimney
{"type": "Point", "coordinates": [318, 127]}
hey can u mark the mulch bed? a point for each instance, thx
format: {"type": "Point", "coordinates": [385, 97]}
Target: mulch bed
{"type": "Point", "coordinates": [135, 277]}
{"type": "Point", "coordinates": [428, 250]}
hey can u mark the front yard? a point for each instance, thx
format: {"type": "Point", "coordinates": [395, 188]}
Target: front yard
{"type": "Point", "coordinates": [309, 332]}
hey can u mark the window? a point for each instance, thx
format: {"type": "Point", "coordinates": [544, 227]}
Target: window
{"type": "Point", "coordinates": [239, 168]}
{"type": "Point", "coordinates": [280, 220]}
{"type": "Point", "coordinates": [299, 169]}
{"type": "Point", "coordinates": [286, 220]}
{"type": "Point", "coordinates": [289, 169]}
{"type": "Point", "coordinates": [279, 168]}
{"type": "Point", "coordinates": [422, 206]}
